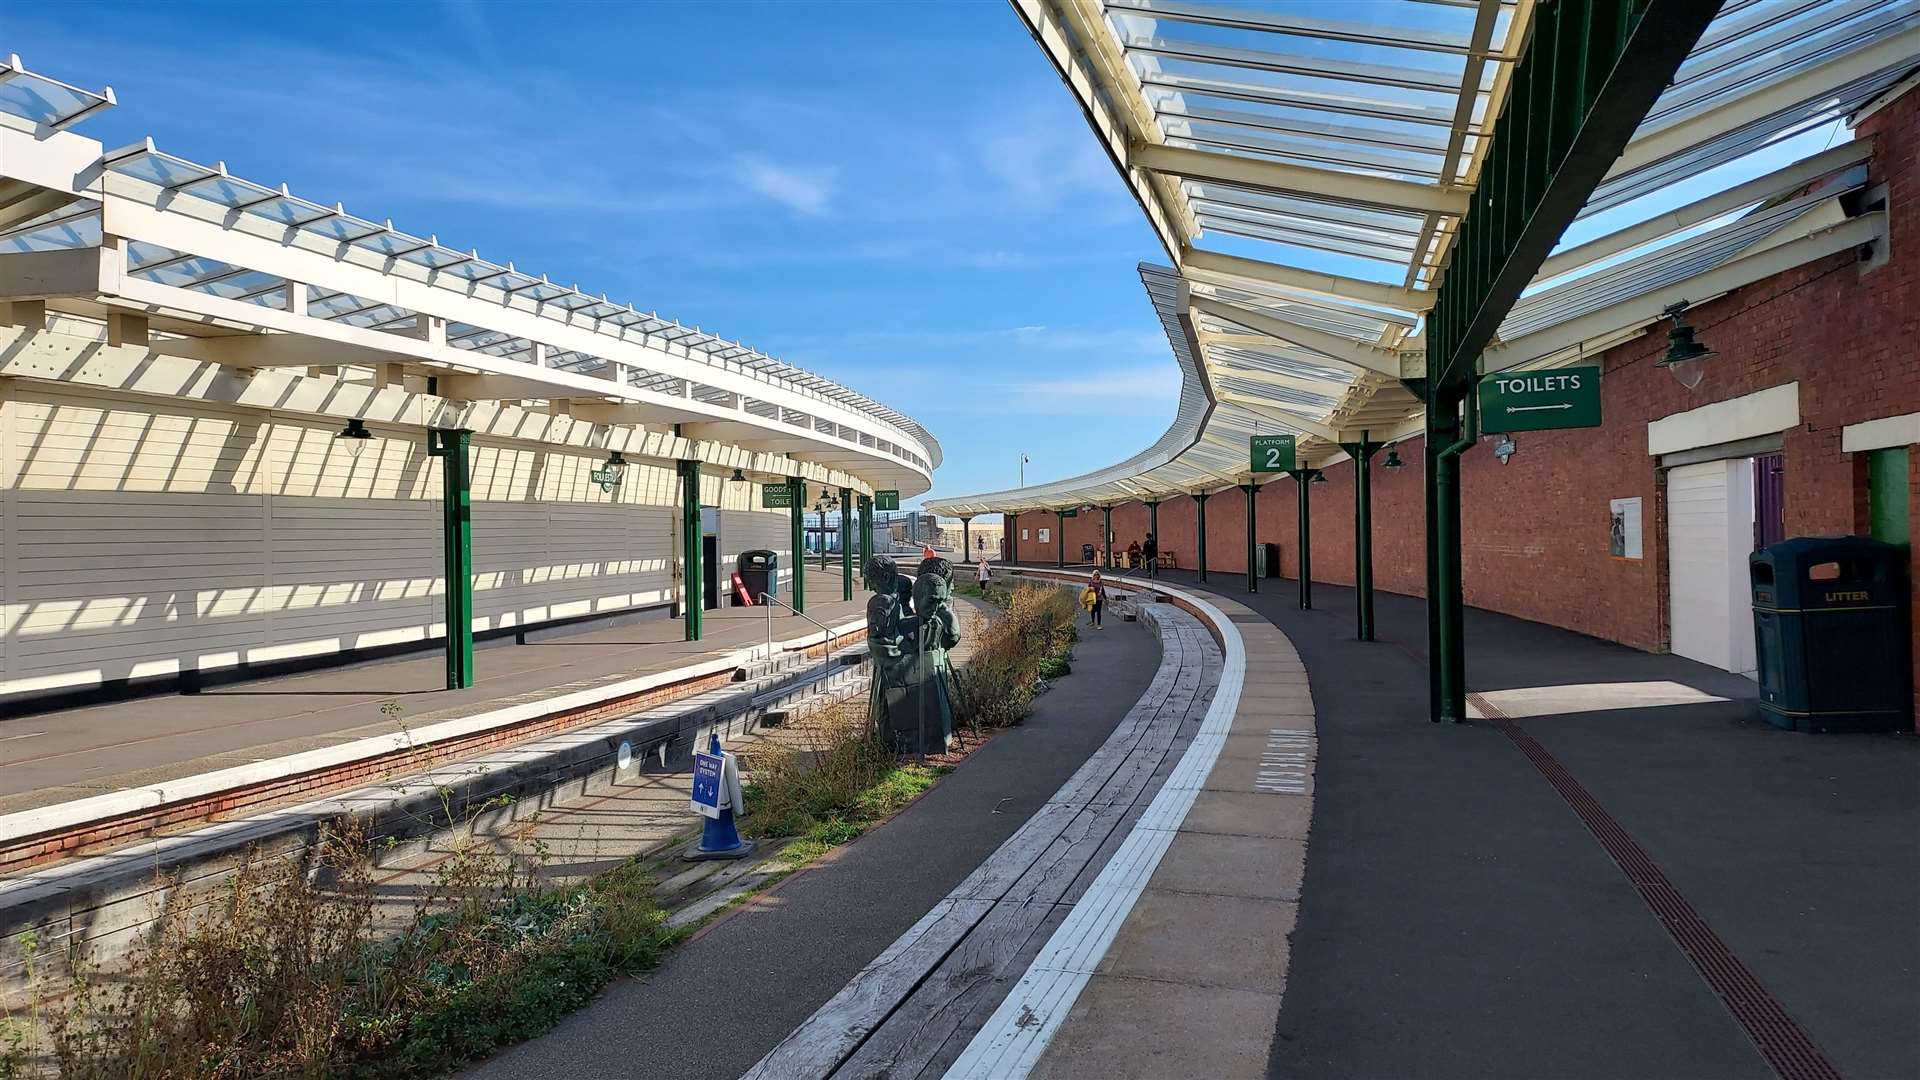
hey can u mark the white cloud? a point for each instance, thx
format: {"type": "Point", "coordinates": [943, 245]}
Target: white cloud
{"type": "Point", "coordinates": [806, 189]}
{"type": "Point", "coordinates": [1041, 158]}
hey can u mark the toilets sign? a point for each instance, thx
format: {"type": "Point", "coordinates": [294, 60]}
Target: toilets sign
{"type": "Point", "coordinates": [1538, 400]}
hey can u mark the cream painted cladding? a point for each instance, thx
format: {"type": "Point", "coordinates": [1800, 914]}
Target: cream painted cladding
{"type": "Point", "coordinates": [743, 527]}
{"type": "Point", "coordinates": [145, 536]}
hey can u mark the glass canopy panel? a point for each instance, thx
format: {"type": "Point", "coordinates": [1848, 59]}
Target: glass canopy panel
{"type": "Point", "coordinates": [389, 242]}
{"type": "Point", "coordinates": [343, 227]}
{"type": "Point", "coordinates": [43, 100]}
{"type": "Point", "coordinates": [433, 258]}
{"type": "Point", "coordinates": [229, 191]}
{"type": "Point", "coordinates": [288, 210]}
{"type": "Point", "coordinates": [160, 169]}
{"type": "Point", "coordinates": [1174, 106]}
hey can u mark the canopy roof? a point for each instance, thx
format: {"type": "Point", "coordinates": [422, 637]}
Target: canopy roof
{"type": "Point", "coordinates": [204, 237]}
{"type": "Point", "coordinates": [1307, 165]}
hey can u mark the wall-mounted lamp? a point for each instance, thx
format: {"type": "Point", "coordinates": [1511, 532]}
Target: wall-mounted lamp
{"type": "Point", "coordinates": [738, 477]}
{"type": "Point", "coordinates": [1393, 459]}
{"type": "Point", "coordinates": [1504, 448]}
{"type": "Point", "coordinates": [1686, 358]}
{"type": "Point", "coordinates": [1316, 477]}
{"type": "Point", "coordinates": [356, 434]}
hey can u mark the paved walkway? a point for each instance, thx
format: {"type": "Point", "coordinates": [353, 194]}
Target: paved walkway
{"type": "Point", "coordinates": [766, 968]}
{"type": "Point", "coordinates": [1465, 911]}
{"type": "Point", "coordinates": [75, 753]}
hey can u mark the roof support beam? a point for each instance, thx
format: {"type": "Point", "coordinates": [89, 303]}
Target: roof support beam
{"type": "Point", "coordinates": [1334, 346]}
{"type": "Point", "coordinates": [1234, 271]}
{"type": "Point", "coordinates": [1647, 309]}
{"type": "Point", "coordinates": [1353, 188]}
{"type": "Point", "coordinates": [1592, 71]}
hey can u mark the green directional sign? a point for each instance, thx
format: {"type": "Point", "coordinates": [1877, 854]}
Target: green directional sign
{"type": "Point", "coordinates": [1075, 512]}
{"type": "Point", "coordinates": [886, 500]}
{"type": "Point", "coordinates": [1272, 453]}
{"type": "Point", "coordinates": [1539, 400]}
{"type": "Point", "coordinates": [776, 497]}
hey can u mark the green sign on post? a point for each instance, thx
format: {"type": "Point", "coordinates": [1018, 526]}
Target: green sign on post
{"type": "Point", "coordinates": [776, 496]}
{"type": "Point", "coordinates": [1272, 453]}
{"type": "Point", "coordinates": [1540, 400]}
{"type": "Point", "coordinates": [886, 500]}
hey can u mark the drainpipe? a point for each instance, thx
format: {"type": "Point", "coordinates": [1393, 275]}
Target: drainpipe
{"type": "Point", "coordinates": [1448, 660]}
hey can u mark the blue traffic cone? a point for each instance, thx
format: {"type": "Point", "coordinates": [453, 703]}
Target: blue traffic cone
{"type": "Point", "coordinates": [720, 837]}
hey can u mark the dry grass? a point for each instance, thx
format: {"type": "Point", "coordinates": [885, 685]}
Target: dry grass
{"type": "Point", "coordinates": [1013, 656]}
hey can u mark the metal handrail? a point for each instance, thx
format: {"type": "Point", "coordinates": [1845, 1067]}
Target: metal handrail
{"type": "Point", "coordinates": [768, 600]}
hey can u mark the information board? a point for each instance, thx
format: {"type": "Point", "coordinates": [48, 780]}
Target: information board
{"type": "Point", "coordinates": [1271, 453]}
{"type": "Point", "coordinates": [776, 496]}
{"type": "Point", "coordinates": [886, 500]}
{"type": "Point", "coordinates": [1540, 400]}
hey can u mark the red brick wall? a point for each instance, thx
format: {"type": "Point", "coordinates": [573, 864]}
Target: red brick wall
{"type": "Point", "coordinates": [1536, 528]}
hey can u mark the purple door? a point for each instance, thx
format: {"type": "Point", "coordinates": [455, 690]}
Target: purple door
{"type": "Point", "coordinates": [1769, 500]}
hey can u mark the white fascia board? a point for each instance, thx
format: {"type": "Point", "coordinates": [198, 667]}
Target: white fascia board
{"type": "Point", "coordinates": [1342, 349]}
{"type": "Point", "coordinates": [42, 275]}
{"type": "Point", "coordinates": [1764, 412]}
{"type": "Point", "coordinates": [130, 369]}
{"type": "Point", "coordinates": [1888, 431]}
{"type": "Point", "coordinates": [199, 229]}
{"type": "Point", "coordinates": [1355, 189]}
{"type": "Point", "coordinates": [1608, 323]}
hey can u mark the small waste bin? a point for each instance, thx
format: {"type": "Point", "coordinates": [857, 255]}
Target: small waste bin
{"type": "Point", "coordinates": [1830, 631]}
{"type": "Point", "coordinates": [759, 571]}
{"type": "Point", "coordinates": [1086, 553]}
{"type": "Point", "coordinates": [1269, 560]}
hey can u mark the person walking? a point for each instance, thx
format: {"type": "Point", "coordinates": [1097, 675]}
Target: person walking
{"type": "Point", "coordinates": [1094, 599]}
{"type": "Point", "coordinates": [983, 572]}
{"type": "Point", "coordinates": [1151, 552]}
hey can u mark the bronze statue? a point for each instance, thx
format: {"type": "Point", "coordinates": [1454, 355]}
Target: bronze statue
{"type": "Point", "coordinates": [910, 627]}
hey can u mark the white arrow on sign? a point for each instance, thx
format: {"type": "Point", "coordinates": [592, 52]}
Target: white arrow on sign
{"type": "Point", "coordinates": [1535, 408]}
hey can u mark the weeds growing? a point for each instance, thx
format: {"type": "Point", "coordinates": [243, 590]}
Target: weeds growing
{"type": "Point", "coordinates": [1014, 656]}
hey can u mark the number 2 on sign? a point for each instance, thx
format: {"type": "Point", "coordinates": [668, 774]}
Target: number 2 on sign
{"type": "Point", "coordinates": [1273, 457]}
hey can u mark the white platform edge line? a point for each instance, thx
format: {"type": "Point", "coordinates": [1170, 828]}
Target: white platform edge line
{"type": "Point", "coordinates": [1020, 1030]}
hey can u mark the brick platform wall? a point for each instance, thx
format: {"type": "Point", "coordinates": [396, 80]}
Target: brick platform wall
{"type": "Point", "coordinates": [1537, 528]}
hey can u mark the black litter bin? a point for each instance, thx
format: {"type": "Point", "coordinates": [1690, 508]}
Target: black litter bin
{"type": "Point", "coordinates": [1830, 629]}
{"type": "Point", "coordinates": [1270, 560]}
{"type": "Point", "coordinates": [1086, 553]}
{"type": "Point", "coordinates": [760, 572]}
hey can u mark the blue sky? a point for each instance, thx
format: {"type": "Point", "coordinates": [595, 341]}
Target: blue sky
{"type": "Point", "coordinates": [899, 196]}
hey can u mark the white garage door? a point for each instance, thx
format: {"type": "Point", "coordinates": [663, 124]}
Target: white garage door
{"type": "Point", "coordinates": [1709, 535]}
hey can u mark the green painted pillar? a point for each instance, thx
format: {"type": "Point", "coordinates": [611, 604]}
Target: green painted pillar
{"type": "Point", "coordinates": [846, 543]}
{"type": "Point", "coordinates": [966, 539]}
{"type": "Point", "coordinates": [797, 495]}
{"type": "Point", "coordinates": [866, 531]}
{"type": "Point", "coordinates": [451, 446]}
{"type": "Point", "coordinates": [1200, 530]}
{"type": "Point", "coordinates": [1153, 522]}
{"type": "Point", "coordinates": [1446, 602]}
{"type": "Point", "coordinates": [1011, 522]}
{"type": "Point", "coordinates": [1362, 453]}
{"type": "Point", "coordinates": [1106, 536]}
{"type": "Point", "coordinates": [1253, 566]}
{"type": "Point", "coordinates": [1304, 519]}
{"type": "Point", "coordinates": [693, 579]}
{"type": "Point", "coordinates": [1060, 538]}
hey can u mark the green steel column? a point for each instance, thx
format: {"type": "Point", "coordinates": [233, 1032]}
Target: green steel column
{"type": "Point", "coordinates": [1106, 536]}
{"type": "Point", "coordinates": [966, 539]}
{"type": "Point", "coordinates": [1362, 453]}
{"type": "Point", "coordinates": [866, 531]}
{"type": "Point", "coordinates": [1304, 521]}
{"type": "Point", "coordinates": [1153, 522]}
{"type": "Point", "coordinates": [1011, 523]}
{"type": "Point", "coordinates": [1446, 602]}
{"type": "Point", "coordinates": [1200, 529]}
{"type": "Point", "coordinates": [1253, 568]}
{"type": "Point", "coordinates": [846, 543]}
{"type": "Point", "coordinates": [456, 531]}
{"type": "Point", "coordinates": [797, 496]}
{"type": "Point", "coordinates": [1059, 538]}
{"type": "Point", "coordinates": [690, 546]}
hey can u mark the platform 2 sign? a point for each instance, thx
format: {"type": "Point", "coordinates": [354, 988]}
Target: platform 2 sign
{"type": "Point", "coordinates": [886, 500]}
{"type": "Point", "coordinates": [776, 497]}
{"type": "Point", "coordinates": [1540, 400]}
{"type": "Point", "coordinates": [1271, 453]}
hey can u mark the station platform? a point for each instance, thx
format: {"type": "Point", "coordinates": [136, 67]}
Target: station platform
{"type": "Point", "coordinates": [1617, 869]}
{"type": "Point", "coordinates": [59, 756]}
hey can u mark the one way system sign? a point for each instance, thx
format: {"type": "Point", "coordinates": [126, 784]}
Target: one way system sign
{"type": "Point", "coordinates": [1538, 400]}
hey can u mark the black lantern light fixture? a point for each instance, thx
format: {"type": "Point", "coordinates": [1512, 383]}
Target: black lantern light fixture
{"type": "Point", "coordinates": [1393, 459]}
{"type": "Point", "coordinates": [356, 434]}
{"type": "Point", "coordinates": [1686, 358]}
{"type": "Point", "coordinates": [738, 477]}
{"type": "Point", "coordinates": [1317, 477]}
